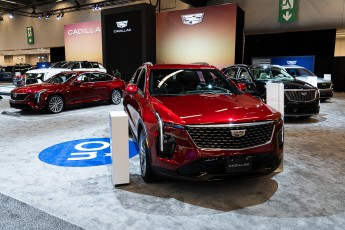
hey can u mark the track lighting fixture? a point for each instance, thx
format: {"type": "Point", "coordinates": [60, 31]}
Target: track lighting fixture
{"type": "Point", "coordinates": [60, 15]}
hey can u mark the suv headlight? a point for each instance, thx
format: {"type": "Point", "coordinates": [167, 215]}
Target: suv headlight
{"type": "Point", "coordinates": [166, 142]}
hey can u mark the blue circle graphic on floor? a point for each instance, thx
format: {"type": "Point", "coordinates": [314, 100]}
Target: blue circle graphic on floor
{"type": "Point", "coordinates": [82, 153]}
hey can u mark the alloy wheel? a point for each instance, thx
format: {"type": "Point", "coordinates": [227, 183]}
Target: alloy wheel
{"type": "Point", "coordinates": [55, 104]}
{"type": "Point", "coordinates": [142, 155]}
{"type": "Point", "coordinates": [116, 97]}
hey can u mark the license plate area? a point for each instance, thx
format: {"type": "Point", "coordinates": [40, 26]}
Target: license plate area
{"type": "Point", "coordinates": [238, 164]}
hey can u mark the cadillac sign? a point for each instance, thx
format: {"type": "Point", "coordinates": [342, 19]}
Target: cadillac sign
{"type": "Point", "coordinates": [192, 19]}
{"type": "Point", "coordinates": [121, 27]}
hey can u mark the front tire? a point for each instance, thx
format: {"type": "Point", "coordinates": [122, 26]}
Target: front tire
{"type": "Point", "coordinates": [116, 97]}
{"type": "Point", "coordinates": [145, 164]}
{"type": "Point", "coordinates": [55, 104]}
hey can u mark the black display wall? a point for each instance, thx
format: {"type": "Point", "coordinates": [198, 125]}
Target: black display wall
{"type": "Point", "coordinates": [318, 43]}
{"type": "Point", "coordinates": [128, 38]}
{"type": "Point", "coordinates": [338, 74]}
{"type": "Point", "coordinates": [239, 35]}
{"type": "Point", "coordinates": [57, 54]}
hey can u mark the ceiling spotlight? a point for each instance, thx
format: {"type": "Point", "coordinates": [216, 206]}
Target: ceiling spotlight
{"type": "Point", "coordinates": [10, 15]}
{"type": "Point", "coordinates": [96, 7]}
{"type": "Point", "coordinates": [40, 16]}
{"type": "Point", "coordinates": [60, 15]}
{"type": "Point", "coordinates": [47, 16]}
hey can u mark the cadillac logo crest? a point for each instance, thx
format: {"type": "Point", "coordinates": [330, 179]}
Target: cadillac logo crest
{"type": "Point", "coordinates": [121, 27]}
{"type": "Point", "coordinates": [121, 24]}
{"type": "Point", "coordinates": [238, 133]}
{"type": "Point", "coordinates": [192, 19]}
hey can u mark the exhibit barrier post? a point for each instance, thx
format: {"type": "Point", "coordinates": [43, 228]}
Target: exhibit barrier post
{"type": "Point", "coordinates": [275, 99]}
{"type": "Point", "coordinates": [119, 147]}
{"type": "Point", "coordinates": [275, 96]}
{"type": "Point", "coordinates": [312, 80]}
{"type": "Point", "coordinates": [327, 76]}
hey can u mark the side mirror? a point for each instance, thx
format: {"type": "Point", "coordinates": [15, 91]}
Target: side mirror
{"type": "Point", "coordinates": [131, 89]}
{"type": "Point", "coordinates": [242, 86]}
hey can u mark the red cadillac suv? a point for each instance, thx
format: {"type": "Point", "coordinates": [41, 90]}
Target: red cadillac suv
{"type": "Point", "coordinates": [191, 122]}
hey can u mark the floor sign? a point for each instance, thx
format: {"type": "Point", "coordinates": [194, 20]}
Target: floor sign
{"type": "Point", "coordinates": [82, 153]}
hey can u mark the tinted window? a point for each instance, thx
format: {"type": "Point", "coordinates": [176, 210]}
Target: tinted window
{"type": "Point", "coordinates": [100, 77]}
{"type": "Point", "coordinates": [141, 80]}
{"type": "Point", "coordinates": [231, 72]}
{"type": "Point", "coordinates": [135, 76]}
{"type": "Point", "coordinates": [86, 65]}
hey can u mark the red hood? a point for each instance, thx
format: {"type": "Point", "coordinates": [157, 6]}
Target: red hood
{"type": "Point", "coordinates": [207, 109]}
{"type": "Point", "coordinates": [36, 88]}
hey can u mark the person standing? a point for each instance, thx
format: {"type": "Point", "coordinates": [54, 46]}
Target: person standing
{"type": "Point", "coordinates": [117, 73]}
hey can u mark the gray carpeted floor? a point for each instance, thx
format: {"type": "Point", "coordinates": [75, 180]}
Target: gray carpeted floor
{"type": "Point", "coordinates": [308, 194]}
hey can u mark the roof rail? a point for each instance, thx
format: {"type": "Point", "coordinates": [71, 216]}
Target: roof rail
{"type": "Point", "coordinates": [200, 63]}
{"type": "Point", "coordinates": [147, 63]}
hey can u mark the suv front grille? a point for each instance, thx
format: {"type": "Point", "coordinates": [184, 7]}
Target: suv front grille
{"type": "Point", "coordinates": [301, 95]}
{"type": "Point", "coordinates": [230, 136]}
{"type": "Point", "coordinates": [18, 96]}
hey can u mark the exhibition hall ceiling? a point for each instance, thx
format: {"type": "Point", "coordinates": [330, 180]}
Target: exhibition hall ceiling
{"type": "Point", "coordinates": [23, 4]}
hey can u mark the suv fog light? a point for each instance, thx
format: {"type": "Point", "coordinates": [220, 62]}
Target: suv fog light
{"type": "Point", "coordinates": [169, 144]}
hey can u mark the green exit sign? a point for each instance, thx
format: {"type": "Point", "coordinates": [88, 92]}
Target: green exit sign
{"type": "Point", "coordinates": [287, 11]}
{"type": "Point", "coordinates": [30, 35]}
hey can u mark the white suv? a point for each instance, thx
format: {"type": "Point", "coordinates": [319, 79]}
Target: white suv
{"type": "Point", "coordinates": [40, 75]}
{"type": "Point", "coordinates": [325, 86]}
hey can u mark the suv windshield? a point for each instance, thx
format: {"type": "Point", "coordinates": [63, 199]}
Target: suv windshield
{"type": "Point", "coordinates": [270, 73]}
{"type": "Point", "coordinates": [189, 81]}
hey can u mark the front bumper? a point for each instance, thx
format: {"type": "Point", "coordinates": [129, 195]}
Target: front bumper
{"type": "Point", "coordinates": [295, 109]}
{"type": "Point", "coordinates": [188, 161]}
{"type": "Point", "coordinates": [326, 93]}
{"type": "Point", "coordinates": [25, 102]}
{"type": "Point", "coordinates": [215, 168]}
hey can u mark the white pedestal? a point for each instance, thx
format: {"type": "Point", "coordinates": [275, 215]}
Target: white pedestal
{"type": "Point", "coordinates": [275, 96]}
{"type": "Point", "coordinates": [119, 147]}
{"type": "Point", "coordinates": [275, 99]}
{"type": "Point", "coordinates": [327, 76]}
{"type": "Point", "coordinates": [312, 80]}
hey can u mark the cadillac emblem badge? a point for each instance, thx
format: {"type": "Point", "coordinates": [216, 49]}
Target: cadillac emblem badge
{"type": "Point", "coordinates": [238, 133]}
{"type": "Point", "coordinates": [192, 19]}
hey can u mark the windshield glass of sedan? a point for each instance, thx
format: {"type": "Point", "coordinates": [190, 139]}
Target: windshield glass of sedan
{"type": "Point", "coordinates": [272, 74]}
{"type": "Point", "coordinates": [61, 78]}
{"type": "Point", "coordinates": [189, 81]}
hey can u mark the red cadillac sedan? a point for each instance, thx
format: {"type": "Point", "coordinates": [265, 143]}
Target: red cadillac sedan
{"type": "Point", "coordinates": [191, 122]}
{"type": "Point", "coordinates": [67, 89]}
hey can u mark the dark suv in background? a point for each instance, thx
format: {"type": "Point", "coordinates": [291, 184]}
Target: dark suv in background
{"type": "Point", "coordinates": [301, 99]}
{"type": "Point", "coordinates": [325, 86]}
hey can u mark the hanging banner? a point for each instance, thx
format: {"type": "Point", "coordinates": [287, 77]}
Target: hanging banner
{"type": "Point", "coordinates": [30, 35]}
